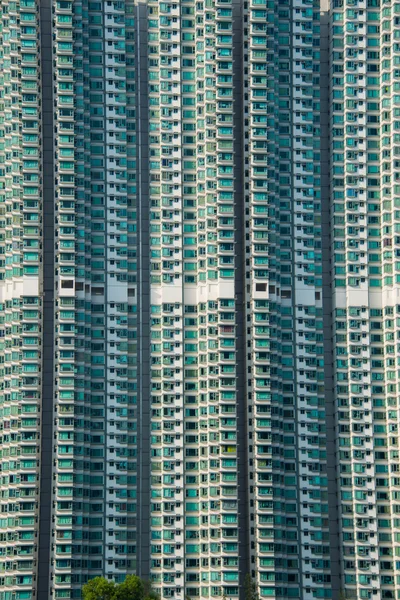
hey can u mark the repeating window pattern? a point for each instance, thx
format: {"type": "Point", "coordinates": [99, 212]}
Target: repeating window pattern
{"type": "Point", "coordinates": [234, 146]}
{"type": "Point", "coordinates": [194, 470]}
{"type": "Point", "coordinates": [364, 201]}
{"type": "Point", "coordinates": [95, 426]}
{"type": "Point", "coordinates": [285, 348]}
{"type": "Point", "coordinates": [20, 304]}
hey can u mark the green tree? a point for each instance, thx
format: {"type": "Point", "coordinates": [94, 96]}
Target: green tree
{"type": "Point", "coordinates": [149, 594]}
{"type": "Point", "coordinates": [99, 588]}
{"type": "Point", "coordinates": [133, 588]}
{"type": "Point", "coordinates": [130, 589]}
{"type": "Point", "coordinates": [250, 588]}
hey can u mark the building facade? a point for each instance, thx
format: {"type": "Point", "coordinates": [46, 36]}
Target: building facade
{"type": "Point", "coordinates": [199, 297]}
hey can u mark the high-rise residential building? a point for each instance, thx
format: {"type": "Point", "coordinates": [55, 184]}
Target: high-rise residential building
{"type": "Point", "coordinates": [200, 297]}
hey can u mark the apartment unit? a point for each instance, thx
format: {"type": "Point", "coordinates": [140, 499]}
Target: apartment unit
{"type": "Point", "coordinates": [199, 297]}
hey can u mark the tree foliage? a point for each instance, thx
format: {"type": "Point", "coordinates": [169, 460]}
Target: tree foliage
{"type": "Point", "coordinates": [250, 588]}
{"type": "Point", "coordinates": [133, 588]}
{"type": "Point", "coordinates": [99, 588]}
